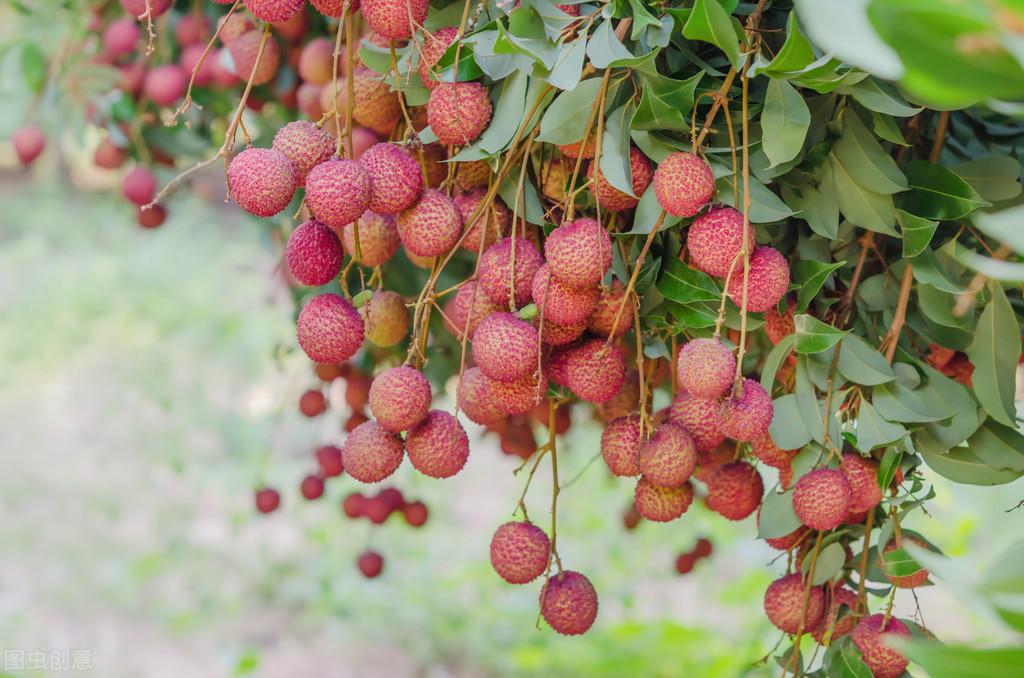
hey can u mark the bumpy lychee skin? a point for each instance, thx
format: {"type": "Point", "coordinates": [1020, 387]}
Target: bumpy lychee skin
{"type": "Point", "coordinates": [387, 318]}
{"type": "Point", "coordinates": [705, 368]}
{"type": "Point", "coordinates": [668, 457]}
{"type": "Point", "coordinates": [863, 476]}
{"type": "Point", "coordinates": [489, 226]}
{"type": "Point", "coordinates": [556, 362]}
{"type": "Point", "coordinates": [378, 238]}
{"type": "Point", "coordinates": [438, 446]}
{"type": "Point", "coordinates": [520, 552]}
{"type": "Point", "coordinates": [595, 371]}
{"type": "Point", "coordinates": [787, 541]}
{"type": "Point", "coordinates": [475, 399]}
{"type": "Point", "coordinates": [836, 622]}
{"type": "Point", "coordinates": [505, 347]}
{"type": "Point", "coordinates": [262, 181]}
{"type": "Point", "coordinates": [602, 320]}
{"type": "Point", "coordinates": [469, 304]}
{"type": "Point", "coordinates": [434, 48]}
{"type": "Point", "coordinates": [374, 104]}
{"type": "Point", "coordinates": [305, 145]}
{"type": "Point", "coordinates": [747, 417]}
{"type": "Point", "coordinates": [554, 334]}
{"type": "Point", "coordinates": [139, 185]}
{"type": "Point", "coordinates": [576, 149]}
{"type": "Point", "coordinates": [137, 8]}
{"type": "Point", "coordinates": [314, 254]}
{"type": "Point", "coordinates": [338, 192]}
{"type": "Point", "coordinates": [908, 581]}
{"type": "Point", "coordinates": [244, 50]}
{"type": "Point", "coordinates": [459, 112]}
{"type": "Point", "coordinates": [683, 184]}
{"type": "Point", "coordinates": [701, 417]}
{"type": "Point", "coordinates": [569, 603]}
{"type": "Point", "coordinates": [472, 174]}
{"type": "Point", "coordinates": [620, 446]}
{"type": "Point", "coordinates": [391, 18]}
{"type": "Point", "coordinates": [611, 198]}
{"type": "Point", "coordinates": [778, 326]}
{"type": "Point", "coordinates": [768, 280]}
{"type": "Point", "coordinates": [400, 398]}
{"type": "Point", "coordinates": [659, 503]}
{"type": "Point", "coordinates": [432, 226]}
{"type": "Point", "coordinates": [495, 271]}
{"type": "Point", "coordinates": [821, 499]}
{"type": "Point", "coordinates": [765, 449]}
{"type": "Point", "coordinates": [735, 490]}
{"type": "Point", "coordinates": [371, 453]}
{"type": "Point", "coordinates": [329, 329]}
{"type": "Point", "coordinates": [518, 397]}
{"type": "Point", "coordinates": [273, 11]}
{"type": "Point", "coordinates": [715, 239]}
{"type": "Point", "coordinates": [784, 604]}
{"type": "Point", "coordinates": [579, 253]}
{"type": "Point", "coordinates": [396, 176]}
{"type": "Point", "coordinates": [333, 7]}
{"type": "Point", "coordinates": [560, 303]}
{"type": "Point", "coordinates": [870, 637]}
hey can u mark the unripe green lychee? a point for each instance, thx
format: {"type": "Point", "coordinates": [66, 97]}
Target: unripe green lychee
{"type": "Point", "coordinates": [438, 446]}
{"type": "Point", "coordinates": [505, 347]}
{"type": "Point", "coordinates": [602, 319]}
{"type": "Point", "coordinates": [245, 48]}
{"type": "Point", "coordinates": [659, 503]}
{"type": "Point", "coordinates": [683, 184]}
{"type": "Point", "coordinates": [329, 329]}
{"type": "Point", "coordinates": [767, 282]}
{"type": "Point", "coordinates": [432, 226]}
{"type": "Point", "coordinates": [305, 145]}
{"type": "Point", "coordinates": [837, 620]}
{"type": "Point", "coordinates": [560, 303]}
{"type": "Point", "coordinates": [459, 112]}
{"type": "Point", "coordinates": [396, 176]}
{"type": "Point", "coordinates": [620, 446]}
{"type": "Point", "coordinates": [610, 198]}
{"type": "Point", "coordinates": [399, 398]}
{"type": "Point", "coordinates": [387, 318]}
{"type": "Point", "coordinates": [821, 499]}
{"type": "Point", "coordinates": [735, 490]}
{"type": "Point", "coordinates": [907, 581]}
{"type": "Point", "coordinates": [471, 304]}
{"type": "Point", "coordinates": [314, 254]}
{"type": "Point", "coordinates": [784, 604]}
{"type": "Point", "coordinates": [261, 181]}
{"type": "Point", "coordinates": [274, 11]}
{"type": "Point", "coordinates": [394, 19]}
{"type": "Point", "coordinates": [705, 368]}
{"type": "Point", "coordinates": [748, 416]}
{"type": "Point", "coordinates": [495, 271]}
{"type": "Point", "coordinates": [595, 370]}
{"type": "Point", "coordinates": [490, 225]}
{"type": "Point", "coordinates": [765, 449]}
{"type": "Point", "coordinates": [568, 603]}
{"type": "Point", "coordinates": [475, 399]}
{"type": "Point", "coordinates": [871, 635]}
{"type": "Point", "coordinates": [554, 334]}
{"type": "Point", "coordinates": [715, 240]}
{"type": "Point", "coordinates": [434, 48]}
{"type": "Point", "coordinates": [518, 397]}
{"type": "Point", "coordinates": [374, 105]}
{"type": "Point", "coordinates": [371, 453]}
{"type": "Point", "coordinates": [579, 253]}
{"type": "Point", "coordinates": [865, 492]}
{"type": "Point", "coordinates": [701, 417]}
{"type": "Point", "coordinates": [520, 552]}
{"type": "Point", "coordinates": [378, 238]}
{"type": "Point", "coordinates": [338, 192]}
{"type": "Point", "coordinates": [668, 457]}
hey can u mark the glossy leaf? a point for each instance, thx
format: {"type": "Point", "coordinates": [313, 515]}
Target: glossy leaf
{"type": "Point", "coordinates": [814, 336]}
{"type": "Point", "coordinates": [862, 364]}
{"type": "Point", "coordinates": [683, 284]}
{"type": "Point", "coordinates": [938, 193]}
{"type": "Point", "coordinates": [710, 23]}
{"type": "Point", "coordinates": [873, 431]}
{"type": "Point", "coordinates": [811, 275]}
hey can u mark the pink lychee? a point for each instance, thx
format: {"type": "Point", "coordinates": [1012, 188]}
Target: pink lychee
{"type": "Point", "coordinates": [495, 270]}
{"type": "Point", "coordinates": [569, 603]}
{"type": "Point", "coordinates": [560, 303]}
{"type": "Point", "coordinates": [329, 329]}
{"type": "Point", "coordinates": [338, 192]}
{"type": "Point", "coordinates": [378, 238]}
{"type": "Point", "coordinates": [595, 370]}
{"type": "Point", "coordinates": [659, 503]}
{"type": "Point", "coordinates": [715, 239]}
{"type": "Point", "coordinates": [735, 490]}
{"type": "Point", "coordinates": [747, 416]}
{"type": "Point", "coordinates": [871, 637]}
{"type": "Point", "coordinates": [314, 254]}
{"type": "Point", "coordinates": [371, 453]}
{"type": "Point", "coordinates": [683, 184]}
{"type": "Point", "coordinates": [821, 499]}
{"type": "Point", "coordinates": [438, 446]}
{"type": "Point", "coordinates": [668, 457]}
{"type": "Point", "coordinates": [305, 145]}
{"type": "Point", "coordinates": [579, 253]}
{"type": "Point", "coordinates": [519, 552]}
{"type": "Point", "coordinates": [701, 417]}
{"type": "Point", "coordinates": [784, 603]}
{"type": "Point", "coordinates": [458, 112]}
{"type": "Point", "coordinates": [432, 226]}
{"type": "Point", "coordinates": [399, 398]}
{"type": "Point", "coordinates": [505, 347]}
{"type": "Point", "coordinates": [767, 280]}
{"type": "Point", "coordinates": [620, 446]}
{"type": "Point", "coordinates": [705, 368]}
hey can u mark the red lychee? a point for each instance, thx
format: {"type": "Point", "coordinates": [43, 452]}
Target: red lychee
{"type": "Point", "coordinates": [312, 487]}
{"type": "Point", "coordinates": [495, 270]}
{"type": "Point", "coordinates": [378, 238]}
{"type": "Point", "coordinates": [137, 8]}
{"type": "Point", "coordinates": [472, 174]}
{"type": "Point", "coordinates": [312, 403]}
{"type": "Point", "coordinates": [139, 185]}
{"type": "Point", "coordinates": [273, 11]}
{"type": "Point", "coordinates": [432, 226]}
{"type": "Point", "coordinates": [595, 371]}
{"type": "Point", "coordinates": [396, 176]}
{"type": "Point", "coordinates": [779, 326]}
{"type": "Point", "coordinates": [328, 458]}
{"type": "Point", "coordinates": [576, 149]}
{"type": "Point", "coordinates": [602, 320]}
{"type": "Point", "coordinates": [685, 562]}
{"type": "Point", "coordinates": [434, 48]}
{"type": "Point", "coordinates": [768, 280]}
{"type": "Point", "coordinates": [399, 398]}
{"type": "Point", "coordinates": [620, 446]}
{"type": "Point", "coordinates": [683, 184]}
{"type": "Point", "coordinates": [151, 218]}
{"type": "Point", "coordinates": [316, 62]}
{"type": "Point", "coordinates": [518, 397]}
{"type": "Point", "coordinates": [374, 104]}
{"type": "Point", "coordinates": [334, 8]}
{"type": "Point", "coordinates": [338, 192]}
{"type": "Point", "coordinates": [505, 347]}
{"type": "Point", "coordinates": [660, 503]}
{"type": "Point", "coordinates": [438, 446]}
{"type": "Point", "coordinates": [267, 500]}
{"type": "Point", "coordinates": [735, 490]}
{"type": "Point", "coordinates": [865, 492]}
{"type": "Point", "coordinates": [231, 27]}
{"type": "Point", "coordinates": [314, 254]}
{"type": "Point", "coordinates": [329, 329]}
{"type": "Point", "coordinates": [610, 198]}
{"type": "Point", "coordinates": [387, 318]}
{"type": "Point", "coordinates": [415, 513]}
{"type": "Point", "coordinates": [579, 253]}
{"type": "Point", "coordinates": [475, 399]}
{"type": "Point", "coordinates": [305, 145]}
{"type": "Point", "coordinates": [560, 303]}
{"type": "Point", "coordinates": [668, 457]}
{"type": "Point", "coordinates": [245, 48]}
{"type": "Point", "coordinates": [459, 112]}
{"type": "Point", "coordinates": [262, 181]}
{"type": "Point", "coordinates": [354, 505]}
{"type": "Point", "coordinates": [701, 417]}
{"type": "Point", "coordinates": [705, 368]}
{"type": "Point", "coordinates": [569, 603]}
{"type": "Point", "coordinates": [836, 622]}
{"type": "Point", "coordinates": [394, 19]}
{"type": "Point", "coordinates": [370, 564]}
{"type": "Point", "coordinates": [765, 449]}
{"type": "Point", "coordinates": [108, 155]}
{"type": "Point", "coordinates": [715, 240]}
{"type": "Point", "coordinates": [748, 416]}
{"type": "Point", "coordinates": [371, 453]}
{"type": "Point", "coordinates": [192, 29]}
{"type": "Point", "coordinates": [519, 552]}
{"type": "Point", "coordinates": [471, 304]}
{"type": "Point", "coordinates": [784, 603]}
{"type": "Point", "coordinates": [554, 334]}
{"type": "Point", "coordinates": [871, 636]}
{"type": "Point", "coordinates": [489, 226]}
{"type": "Point", "coordinates": [821, 499]}
{"type": "Point", "coordinates": [189, 62]}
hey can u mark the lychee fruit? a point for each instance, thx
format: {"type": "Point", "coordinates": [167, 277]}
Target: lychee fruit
{"type": "Point", "coordinates": [747, 416]}
{"type": "Point", "coordinates": [865, 492]}
{"type": "Point", "coordinates": [245, 48]}
{"type": "Point", "coordinates": [305, 145]}
{"type": "Point", "coordinates": [137, 8]}
{"type": "Point", "coordinates": [434, 48]}
{"type": "Point", "coordinates": [519, 552]}
{"type": "Point", "coordinates": [907, 581]}
{"type": "Point", "coordinates": [432, 226]}
{"type": "Point", "coordinates": [626, 401]}
{"type": "Point", "coordinates": [685, 562]}
{"type": "Point", "coordinates": [595, 371]}
{"type": "Point", "coordinates": [518, 397]}
{"type": "Point", "coordinates": [735, 490]}
{"type": "Point", "coordinates": [701, 417]}
{"type": "Point", "coordinates": [560, 303]}
{"type": "Point", "coordinates": [703, 548]}
{"type": "Point", "coordinates": [121, 37]}
{"type": "Point", "coordinates": [312, 487]}
{"type": "Point", "coordinates": [620, 446]}
{"type": "Point", "coordinates": [472, 174]}
{"type": "Point", "coordinates": [475, 400]}
{"type": "Point", "coordinates": [314, 254]}
{"type": "Point", "coordinates": [610, 198]}
{"type": "Point", "coordinates": [459, 112]}
{"type": "Point", "coordinates": [370, 564]}
{"type": "Point", "coordinates": [192, 29]}
{"type": "Point", "coordinates": [328, 459]}
{"type": "Point", "coordinates": [660, 503]}
{"type": "Point", "coordinates": [495, 271]}
{"type": "Point", "coordinates": [338, 191]}
{"type": "Point", "coordinates": [602, 320]}
{"type": "Point", "coordinates": [108, 155]}
{"type": "Point", "coordinates": [579, 253]}
{"type": "Point", "coordinates": [705, 368]}
{"type": "Point", "coordinates": [394, 19]}
{"type": "Point", "coordinates": [374, 105]}
{"type": "Point", "coordinates": [438, 446]}
{"type": "Point", "coordinates": [316, 62]}
{"type": "Point", "coordinates": [683, 184]}
{"type": "Point", "coordinates": [784, 604]}
{"type": "Point", "coordinates": [189, 62]}
{"type": "Point", "coordinates": [312, 403]}
{"type": "Point", "coordinates": [387, 318]}
{"type": "Point", "coordinates": [151, 218]}
{"type": "Point", "coordinates": [329, 329]}
{"type": "Point", "coordinates": [767, 280]}
{"type": "Point", "coordinates": [715, 239]}
{"type": "Point", "coordinates": [668, 457]}
{"type": "Point", "coordinates": [871, 635]}
{"type": "Point", "coordinates": [554, 334]}
{"type": "Point", "coordinates": [354, 505]}
{"type": "Point", "coordinates": [378, 238]}
{"type": "Point", "coordinates": [778, 326]}
{"type": "Point", "coordinates": [568, 603]}
{"type": "Point", "coordinates": [490, 225]}
{"type": "Point", "coordinates": [231, 27]}
{"type": "Point", "coordinates": [400, 398]}
{"type": "Point", "coordinates": [396, 176]}
{"type": "Point", "coordinates": [577, 150]}
{"type": "Point", "coordinates": [821, 499]}
{"type": "Point", "coordinates": [267, 500]}
{"type": "Point", "coordinates": [505, 347]}
{"type": "Point", "coordinates": [139, 186]}
{"type": "Point", "coordinates": [371, 453]}
{"type": "Point", "coordinates": [836, 622]}
{"type": "Point", "coordinates": [273, 11]}
{"type": "Point", "coordinates": [469, 304]}
{"type": "Point", "coordinates": [334, 8]}
{"type": "Point", "coordinates": [262, 181]}
{"type": "Point", "coordinates": [415, 513]}
{"type": "Point", "coordinates": [765, 449]}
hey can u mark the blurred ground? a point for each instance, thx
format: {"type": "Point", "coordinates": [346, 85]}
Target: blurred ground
{"type": "Point", "coordinates": [141, 401]}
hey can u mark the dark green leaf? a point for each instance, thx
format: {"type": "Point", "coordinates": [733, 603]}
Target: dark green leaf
{"type": "Point", "coordinates": [867, 163]}
{"type": "Point", "coordinates": [683, 284]}
{"type": "Point", "coordinates": [937, 192]}
{"type": "Point", "coordinates": [665, 103]}
{"type": "Point", "coordinates": [888, 466]}
{"type": "Point", "coordinates": [710, 23]}
{"type": "Point", "coordinates": [784, 122]}
{"type": "Point", "coordinates": [810, 275]}
{"type": "Point", "coordinates": [814, 336]}
{"type": "Point", "coordinates": [867, 209]}
{"type": "Point", "coordinates": [917, 232]}
{"type": "Point", "coordinates": [999, 446]}
{"type": "Point", "coordinates": [994, 354]}
{"type": "Point", "coordinates": [962, 465]}
{"type": "Point", "coordinates": [795, 53]}
{"type": "Point", "coordinates": [774, 360]}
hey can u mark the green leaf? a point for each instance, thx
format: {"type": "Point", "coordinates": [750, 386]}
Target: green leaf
{"type": "Point", "coordinates": [604, 47]}
{"type": "Point", "coordinates": [710, 23]}
{"type": "Point", "coordinates": [795, 53]}
{"type": "Point", "coordinates": [873, 95]}
{"type": "Point", "coordinates": [814, 336]}
{"type": "Point", "coordinates": [888, 466]}
{"type": "Point", "coordinates": [678, 282]}
{"type": "Point", "coordinates": [787, 428]}
{"type": "Point", "coordinates": [941, 436]}
{"type": "Point", "coordinates": [939, 193]}
{"type": "Point", "coordinates": [810, 275]}
{"type": "Point", "coordinates": [873, 211]}
{"type": "Point", "coordinates": [962, 465]}
{"type": "Point", "coordinates": [860, 363]}
{"type": "Point", "coordinates": [906, 405]}
{"type": "Point", "coordinates": [774, 360]}
{"type": "Point", "coordinates": [873, 431]}
{"type": "Point", "coordinates": [928, 269]}
{"type": "Point", "coordinates": [952, 661]}
{"type": "Point", "coordinates": [665, 103]}
{"type": "Point", "coordinates": [33, 66]}
{"type": "Point", "coordinates": [647, 212]}
{"type": "Point", "coordinates": [867, 163]}
{"type": "Point", "coordinates": [565, 74]}
{"type": "Point", "coordinates": [831, 559]}
{"type": "Point", "coordinates": [999, 446]}
{"type": "Point", "coordinates": [1003, 225]}
{"type": "Point", "coordinates": [844, 30]}
{"type": "Point", "coordinates": [526, 35]}
{"type": "Point", "coordinates": [898, 563]}
{"type": "Point", "coordinates": [765, 206]}
{"type": "Point", "coordinates": [508, 113]}
{"type": "Point", "coordinates": [847, 662]}
{"type": "Point", "coordinates": [698, 315]}
{"type": "Point", "coordinates": [615, 165]}
{"type": "Point", "coordinates": [777, 518]}
{"type": "Point", "coordinates": [886, 128]}
{"type": "Point", "coordinates": [917, 232]}
{"type": "Point", "coordinates": [995, 178]}
{"type": "Point", "coordinates": [816, 202]}
{"type": "Point", "coordinates": [566, 118]}
{"type": "Point", "coordinates": [784, 122]}
{"type": "Point", "coordinates": [994, 354]}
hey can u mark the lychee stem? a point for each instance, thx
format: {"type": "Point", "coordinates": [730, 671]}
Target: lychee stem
{"type": "Point", "coordinates": [570, 198]}
{"type": "Point", "coordinates": [627, 295]}
{"type": "Point", "coordinates": [795, 660]}
{"type": "Point", "coordinates": [335, 54]}
{"type": "Point", "coordinates": [863, 569]}
{"type": "Point", "coordinates": [187, 101]}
